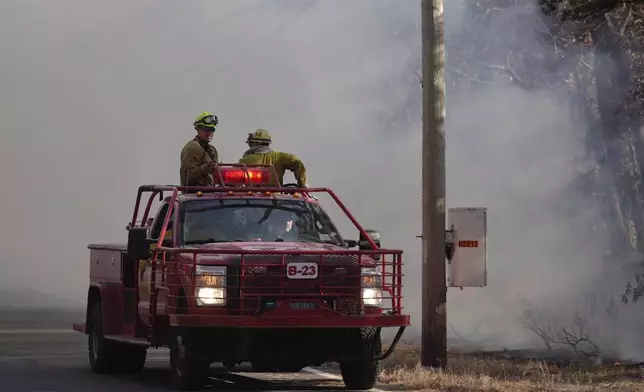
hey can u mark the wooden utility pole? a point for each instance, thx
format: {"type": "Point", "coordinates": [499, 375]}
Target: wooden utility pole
{"type": "Point", "coordinates": [434, 332]}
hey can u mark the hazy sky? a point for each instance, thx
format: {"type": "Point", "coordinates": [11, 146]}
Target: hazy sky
{"type": "Point", "coordinates": [99, 97]}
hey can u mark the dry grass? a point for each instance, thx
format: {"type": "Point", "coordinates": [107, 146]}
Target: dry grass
{"type": "Point", "coordinates": [490, 373]}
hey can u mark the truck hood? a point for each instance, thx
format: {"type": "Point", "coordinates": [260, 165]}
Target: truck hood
{"type": "Point", "coordinates": [347, 259]}
{"type": "Point", "coordinates": [271, 246]}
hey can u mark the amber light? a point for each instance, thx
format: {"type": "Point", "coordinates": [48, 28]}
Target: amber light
{"type": "Point", "coordinates": [209, 281]}
{"type": "Point", "coordinates": [369, 281]}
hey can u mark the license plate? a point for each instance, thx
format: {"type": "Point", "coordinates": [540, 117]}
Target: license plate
{"type": "Point", "coordinates": [302, 271]}
{"type": "Point", "coordinates": [302, 305]}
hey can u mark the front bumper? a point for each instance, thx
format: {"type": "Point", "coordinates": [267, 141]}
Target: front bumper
{"type": "Point", "coordinates": [282, 314]}
{"type": "Point", "coordinates": [283, 321]}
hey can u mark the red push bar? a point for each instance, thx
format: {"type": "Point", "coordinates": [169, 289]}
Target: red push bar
{"type": "Point", "coordinates": [333, 299]}
{"type": "Point", "coordinates": [324, 296]}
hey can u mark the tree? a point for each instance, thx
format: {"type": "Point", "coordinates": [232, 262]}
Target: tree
{"type": "Point", "coordinates": [591, 51]}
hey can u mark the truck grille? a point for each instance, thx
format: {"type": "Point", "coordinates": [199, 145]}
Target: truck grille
{"type": "Point", "coordinates": [273, 280]}
{"type": "Point", "coordinates": [265, 279]}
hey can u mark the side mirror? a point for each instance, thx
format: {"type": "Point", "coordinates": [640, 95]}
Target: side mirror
{"type": "Point", "coordinates": [138, 245]}
{"type": "Point", "coordinates": [364, 244]}
{"type": "Point", "coordinates": [351, 243]}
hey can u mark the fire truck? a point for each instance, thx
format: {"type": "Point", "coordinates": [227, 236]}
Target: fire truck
{"type": "Point", "coordinates": [253, 271]}
{"type": "Point", "coordinates": [248, 270]}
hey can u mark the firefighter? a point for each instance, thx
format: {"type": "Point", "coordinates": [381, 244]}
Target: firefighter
{"type": "Point", "coordinates": [198, 156]}
{"type": "Point", "coordinates": [261, 153]}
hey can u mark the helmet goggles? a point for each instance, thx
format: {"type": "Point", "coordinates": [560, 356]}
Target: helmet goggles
{"type": "Point", "coordinates": [207, 123]}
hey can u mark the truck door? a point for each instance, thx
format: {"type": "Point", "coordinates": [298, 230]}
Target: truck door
{"type": "Point", "coordinates": [144, 275]}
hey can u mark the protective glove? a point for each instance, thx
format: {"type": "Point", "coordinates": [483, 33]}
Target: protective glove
{"type": "Point", "coordinates": [209, 168]}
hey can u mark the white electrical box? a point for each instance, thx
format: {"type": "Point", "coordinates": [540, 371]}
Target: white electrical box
{"type": "Point", "coordinates": [468, 266]}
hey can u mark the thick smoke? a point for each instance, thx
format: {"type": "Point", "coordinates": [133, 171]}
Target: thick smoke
{"type": "Point", "coordinates": [97, 98]}
{"type": "Point", "coordinates": [523, 154]}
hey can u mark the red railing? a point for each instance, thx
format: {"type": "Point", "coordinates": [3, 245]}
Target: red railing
{"type": "Point", "coordinates": [338, 282]}
{"type": "Point", "coordinates": [257, 277]}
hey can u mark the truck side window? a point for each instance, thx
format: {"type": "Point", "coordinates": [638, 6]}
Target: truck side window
{"type": "Point", "coordinates": [324, 226]}
{"type": "Point", "coordinates": [158, 224]}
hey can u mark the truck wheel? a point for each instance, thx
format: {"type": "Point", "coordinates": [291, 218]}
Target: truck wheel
{"type": "Point", "coordinates": [188, 373]}
{"type": "Point", "coordinates": [362, 374]}
{"type": "Point", "coordinates": [132, 358]}
{"type": "Point", "coordinates": [103, 354]}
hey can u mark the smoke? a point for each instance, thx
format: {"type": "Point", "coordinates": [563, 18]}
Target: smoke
{"type": "Point", "coordinates": [98, 98]}
{"type": "Point", "coordinates": [523, 155]}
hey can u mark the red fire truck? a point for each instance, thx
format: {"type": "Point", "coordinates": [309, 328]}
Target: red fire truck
{"type": "Point", "coordinates": [248, 270]}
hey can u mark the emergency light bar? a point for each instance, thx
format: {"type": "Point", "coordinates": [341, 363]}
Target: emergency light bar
{"type": "Point", "coordinates": [238, 176]}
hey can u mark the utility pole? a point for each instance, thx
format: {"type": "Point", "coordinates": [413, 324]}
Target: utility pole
{"type": "Point", "coordinates": [434, 332]}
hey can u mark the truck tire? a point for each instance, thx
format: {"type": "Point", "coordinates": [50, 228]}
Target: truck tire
{"type": "Point", "coordinates": [103, 353]}
{"type": "Point", "coordinates": [362, 374]}
{"type": "Point", "coordinates": [188, 372]}
{"type": "Point", "coordinates": [132, 357]}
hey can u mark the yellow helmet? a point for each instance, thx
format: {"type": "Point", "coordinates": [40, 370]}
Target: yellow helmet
{"type": "Point", "coordinates": [259, 136]}
{"type": "Point", "coordinates": [206, 120]}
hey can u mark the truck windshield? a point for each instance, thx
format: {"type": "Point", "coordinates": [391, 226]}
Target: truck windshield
{"type": "Point", "coordinates": [228, 220]}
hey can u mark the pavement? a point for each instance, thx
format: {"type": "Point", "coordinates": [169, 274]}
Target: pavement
{"type": "Point", "coordinates": [40, 352]}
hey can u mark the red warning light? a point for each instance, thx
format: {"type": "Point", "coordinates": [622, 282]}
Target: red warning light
{"type": "Point", "coordinates": [250, 176]}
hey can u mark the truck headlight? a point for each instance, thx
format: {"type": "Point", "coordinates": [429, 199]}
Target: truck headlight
{"type": "Point", "coordinates": [210, 285]}
{"type": "Point", "coordinates": [371, 287]}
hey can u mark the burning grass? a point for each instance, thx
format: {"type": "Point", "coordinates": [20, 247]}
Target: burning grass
{"type": "Point", "coordinates": [493, 372]}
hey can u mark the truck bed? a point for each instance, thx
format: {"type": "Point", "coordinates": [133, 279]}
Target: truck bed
{"type": "Point", "coordinates": [105, 262]}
